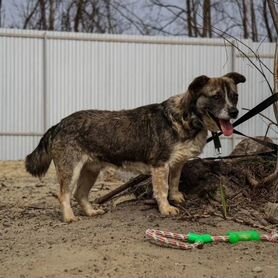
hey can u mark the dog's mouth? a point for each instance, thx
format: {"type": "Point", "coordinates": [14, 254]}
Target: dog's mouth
{"type": "Point", "coordinates": [225, 125]}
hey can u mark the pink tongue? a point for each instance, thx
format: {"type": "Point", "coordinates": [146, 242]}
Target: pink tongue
{"type": "Point", "coordinates": [226, 127]}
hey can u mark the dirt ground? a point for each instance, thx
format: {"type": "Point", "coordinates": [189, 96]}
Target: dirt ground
{"type": "Point", "coordinates": [35, 243]}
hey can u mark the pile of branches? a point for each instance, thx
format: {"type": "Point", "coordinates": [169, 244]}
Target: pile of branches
{"type": "Point", "coordinates": [227, 188]}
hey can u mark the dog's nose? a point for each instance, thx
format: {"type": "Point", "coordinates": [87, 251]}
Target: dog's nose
{"type": "Point", "coordinates": [233, 112]}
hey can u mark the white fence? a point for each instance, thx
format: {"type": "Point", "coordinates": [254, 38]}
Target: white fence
{"type": "Point", "coordinates": [46, 76]}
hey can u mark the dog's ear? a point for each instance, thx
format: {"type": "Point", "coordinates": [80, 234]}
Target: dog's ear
{"type": "Point", "coordinates": [236, 77]}
{"type": "Point", "coordinates": [198, 83]}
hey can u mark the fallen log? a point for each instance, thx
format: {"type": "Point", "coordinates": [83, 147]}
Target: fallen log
{"type": "Point", "coordinates": [130, 183]}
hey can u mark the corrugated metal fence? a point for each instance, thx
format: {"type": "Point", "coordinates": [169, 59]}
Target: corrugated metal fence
{"type": "Point", "coordinates": [45, 76]}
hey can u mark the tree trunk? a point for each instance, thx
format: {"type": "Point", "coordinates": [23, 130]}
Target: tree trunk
{"type": "Point", "coordinates": [265, 16]}
{"type": "Point", "coordinates": [52, 9]}
{"type": "Point", "coordinates": [43, 15]}
{"type": "Point", "coordinates": [29, 17]}
{"type": "Point", "coordinates": [189, 23]}
{"type": "Point", "coordinates": [78, 16]}
{"type": "Point", "coordinates": [194, 19]}
{"type": "Point", "coordinates": [273, 13]}
{"type": "Point", "coordinates": [254, 22]}
{"type": "Point", "coordinates": [206, 19]}
{"type": "Point", "coordinates": [66, 16]}
{"type": "Point", "coordinates": [109, 17]}
{"type": "Point", "coordinates": [245, 21]}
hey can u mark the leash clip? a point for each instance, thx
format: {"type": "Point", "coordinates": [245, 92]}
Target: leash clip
{"type": "Point", "coordinates": [217, 143]}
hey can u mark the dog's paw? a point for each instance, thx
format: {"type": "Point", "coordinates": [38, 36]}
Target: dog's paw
{"type": "Point", "coordinates": [94, 212]}
{"type": "Point", "coordinates": [169, 210]}
{"type": "Point", "coordinates": [68, 215]}
{"type": "Point", "coordinates": [177, 198]}
{"type": "Point", "coordinates": [70, 219]}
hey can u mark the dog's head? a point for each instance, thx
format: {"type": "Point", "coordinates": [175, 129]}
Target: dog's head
{"type": "Point", "coordinates": [216, 100]}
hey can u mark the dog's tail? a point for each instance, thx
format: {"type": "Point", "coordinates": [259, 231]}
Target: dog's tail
{"type": "Point", "coordinates": [37, 162]}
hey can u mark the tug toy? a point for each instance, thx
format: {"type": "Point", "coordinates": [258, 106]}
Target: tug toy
{"type": "Point", "coordinates": [192, 240]}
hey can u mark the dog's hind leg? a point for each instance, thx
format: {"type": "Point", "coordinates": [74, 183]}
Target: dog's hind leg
{"type": "Point", "coordinates": [87, 178]}
{"type": "Point", "coordinates": [68, 173]}
{"type": "Point", "coordinates": [160, 177]}
{"type": "Point", "coordinates": [174, 180]}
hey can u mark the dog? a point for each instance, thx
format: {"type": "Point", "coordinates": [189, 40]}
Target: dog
{"type": "Point", "coordinates": [156, 138]}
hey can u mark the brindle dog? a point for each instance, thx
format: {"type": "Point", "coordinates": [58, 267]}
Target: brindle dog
{"type": "Point", "coordinates": [159, 138]}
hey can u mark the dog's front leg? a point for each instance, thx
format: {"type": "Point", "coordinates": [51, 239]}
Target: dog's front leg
{"type": "Point", "coordinates": [174, 180]}
{"type": "Point", "coordinates": [160, 177]}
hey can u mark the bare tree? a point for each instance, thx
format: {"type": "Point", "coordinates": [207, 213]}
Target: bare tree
{"type": "Point", "coordinates": [274, 13]}
{"type": "Point", "coordinates": [52, 9]}
{"type": "Point", "coordinates": [28, 14]}
{"type": "Point", "coordinates": [181, 17]}
{"type": "Point", "coordinates": [245, 19]}
{"type": "Point", "coordinates": [207, 19]}
{"type": "Point", "coordinates": [197, 18]}
{"type": "Point", "coordinates": [193, 18]}
{"type": "Point", "coordinates": [42, 5]}
{"type": "Point", "coordinates": [266, 21]}
{"type": "Point", "coordinates": [79, 14]}
{"type": "Point", "coordinates": [38, 14]}
{"type": "Point", "coordinates": [100, 16]}
{"type": "Point", "coordinates": [253, 21]}
{"type": "Point", "coordinates": [189, 19]}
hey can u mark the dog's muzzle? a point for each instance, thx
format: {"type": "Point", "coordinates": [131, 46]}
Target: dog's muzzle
{"type": "Point", "coordinates": [233, 112]}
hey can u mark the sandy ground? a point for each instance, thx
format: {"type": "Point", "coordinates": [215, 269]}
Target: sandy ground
{"type": "Point", "coordinates": [35, 243]}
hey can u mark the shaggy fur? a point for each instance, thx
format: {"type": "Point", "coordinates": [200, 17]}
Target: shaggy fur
{"type": "Point", "coordinates": [158, 138]}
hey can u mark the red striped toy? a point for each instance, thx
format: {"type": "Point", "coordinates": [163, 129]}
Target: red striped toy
{"type": "Point", "coordinates": [192, 240]}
